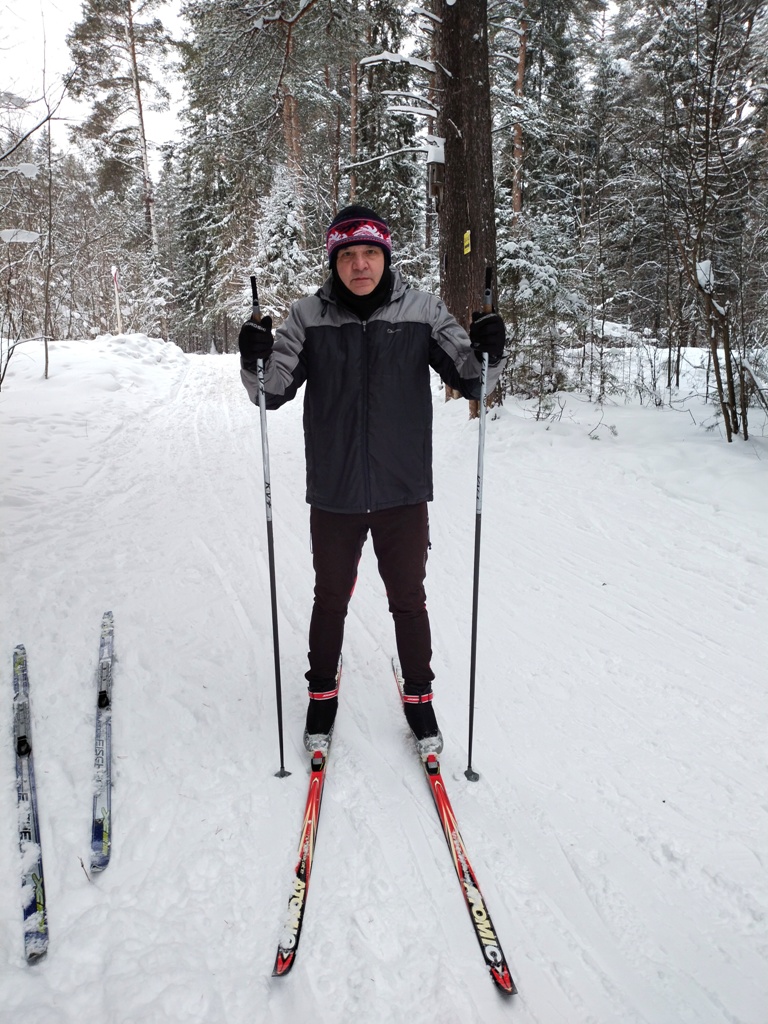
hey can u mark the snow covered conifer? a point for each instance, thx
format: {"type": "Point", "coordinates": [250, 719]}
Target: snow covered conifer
{"type": "Point", "coordinates": [284, 259]}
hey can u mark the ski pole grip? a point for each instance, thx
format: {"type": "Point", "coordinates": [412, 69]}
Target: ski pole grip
{"type": "Point", "coordinates": [256, 308]}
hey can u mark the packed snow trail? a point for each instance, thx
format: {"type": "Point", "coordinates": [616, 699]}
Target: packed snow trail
{"type": "Point", "coordinates": [619, 829]}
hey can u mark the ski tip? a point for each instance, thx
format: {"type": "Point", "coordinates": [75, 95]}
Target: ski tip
{"type": "Point", "coordinates": [283, 964]}
{"type": "Point", "coordinates": [36, 948]}
{"type": "Point", "coordinates": [503, 980]}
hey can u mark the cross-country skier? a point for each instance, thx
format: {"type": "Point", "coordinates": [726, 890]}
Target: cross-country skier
{"type": "Point", "coordinates": [364, 344]}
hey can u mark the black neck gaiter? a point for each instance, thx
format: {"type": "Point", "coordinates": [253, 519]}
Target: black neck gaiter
{"type": "Point", "coordinates": [363, 305]}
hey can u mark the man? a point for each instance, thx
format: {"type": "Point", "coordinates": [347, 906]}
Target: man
{"type": "Point", "coordinates": [364, 345]}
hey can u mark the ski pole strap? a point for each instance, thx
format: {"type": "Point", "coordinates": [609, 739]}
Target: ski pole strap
{"type": "Point", "coordinates": [323, 695]}
{"type": "Point", "coordinates": [418, 698]}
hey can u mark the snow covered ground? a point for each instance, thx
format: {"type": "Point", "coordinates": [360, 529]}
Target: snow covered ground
{"type": "Point", "coordinates": [620, 827]}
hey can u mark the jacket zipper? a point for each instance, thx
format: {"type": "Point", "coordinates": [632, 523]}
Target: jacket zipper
{"type": "Point", "coordinates": [366, 474]}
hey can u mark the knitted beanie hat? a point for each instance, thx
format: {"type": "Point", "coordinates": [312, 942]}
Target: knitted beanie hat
{"type": "Point", "coordinates": [357, 225]}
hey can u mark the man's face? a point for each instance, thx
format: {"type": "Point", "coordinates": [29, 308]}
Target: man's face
{"type": "Point", "coordinates": [360, 267]}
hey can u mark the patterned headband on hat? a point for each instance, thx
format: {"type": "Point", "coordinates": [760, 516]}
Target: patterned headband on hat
{"type": "Point", "coordinates": [357, 231]}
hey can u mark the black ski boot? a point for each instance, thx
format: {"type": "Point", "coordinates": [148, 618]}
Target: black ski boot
{"type": "Point", "coordinates": [420, 715]}
{"type": "Point", "coordinates": [321, 714]}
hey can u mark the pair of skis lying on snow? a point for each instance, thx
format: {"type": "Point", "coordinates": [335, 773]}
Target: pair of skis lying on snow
{"type": "Point", "coordinates": [478, 911]}
{"type": "Point", "coordinates": [32, 884]}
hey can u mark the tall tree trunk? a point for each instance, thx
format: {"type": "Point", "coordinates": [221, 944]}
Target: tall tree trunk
{"type": "Point", "coordinates": [353, 94]}
{"type": "Point", "coordinates": [725, 330]}
{"type": "Point", "coordinates": [517, 132]}
{"type": "Point", "coordinates": [431, 132]}
{"type": "Point", "coordinates": [334, 133]}
{"type": "Point", "coordinates": [149, 192]}
{"type": "Point", "coordinates": [291, 126]}
{"type": "Point", "coordinates": [466, 217]}
{"type": "Point", "coordinates": [48, 313]}
{"type": "Point", "coordinates": [712, 326]}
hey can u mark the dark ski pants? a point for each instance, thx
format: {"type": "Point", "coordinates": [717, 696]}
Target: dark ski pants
{"type": "Point", "coordinates": [400, 540]}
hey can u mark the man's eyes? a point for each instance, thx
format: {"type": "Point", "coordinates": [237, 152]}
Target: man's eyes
{"type": "Point", "coordinates": [367, 253]}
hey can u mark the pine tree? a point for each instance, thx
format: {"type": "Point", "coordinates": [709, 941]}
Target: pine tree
{"type": "Point", "coordinates": [286, 267]}
{"type": "Point", "coordinates": [467, 211]}
{"type": "Point", "coordinates": [118, 56]}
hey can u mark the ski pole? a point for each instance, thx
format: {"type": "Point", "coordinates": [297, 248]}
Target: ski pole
{"type": "Point", "coordinates": [470, 773]}
{"type": "Point", "coordinates": [256, 317]}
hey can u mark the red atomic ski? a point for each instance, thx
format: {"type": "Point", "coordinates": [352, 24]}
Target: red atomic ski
{"type": "Point", "coordinates": [289, 940]}
{"type": "Point", "coordinates": [478, 911]}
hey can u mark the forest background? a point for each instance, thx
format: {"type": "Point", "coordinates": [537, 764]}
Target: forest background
{"type": "Point", "coordinates": [629, 195]}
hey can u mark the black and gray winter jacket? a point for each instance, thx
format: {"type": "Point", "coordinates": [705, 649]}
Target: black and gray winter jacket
{"type": "Point", "coordinates": [368, 403]}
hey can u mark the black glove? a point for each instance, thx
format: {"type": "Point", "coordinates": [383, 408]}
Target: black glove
{"type": "Point", "coordinates": [255, 341]}
{"type": "Point", "coordinates": [487, 334]}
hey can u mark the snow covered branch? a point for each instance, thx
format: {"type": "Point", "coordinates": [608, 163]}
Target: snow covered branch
{"type": "Point", "coordinates": [385, 57]}
{"type": "Point", "coordinates": [428, 14]}
{"type": "Point", "coordinates": [405, 109]}
{"type": "Point", "coordinates": [385, 156]}
{"type": "Point", "coordinates": [18, 235]}
{"type": "Point", "coordinates": [26, 170]}
{"type": "Point", "coordinates": [284, 19]}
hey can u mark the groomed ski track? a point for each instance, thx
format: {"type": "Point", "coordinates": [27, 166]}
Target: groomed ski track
{"type": "Point", "coordinates": [618, 830]}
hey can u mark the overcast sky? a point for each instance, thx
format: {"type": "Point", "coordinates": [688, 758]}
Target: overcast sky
{"type": "Point", "coordinates": [34, 55]}
{"type": "Point", "coordinates": [32, 36]}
